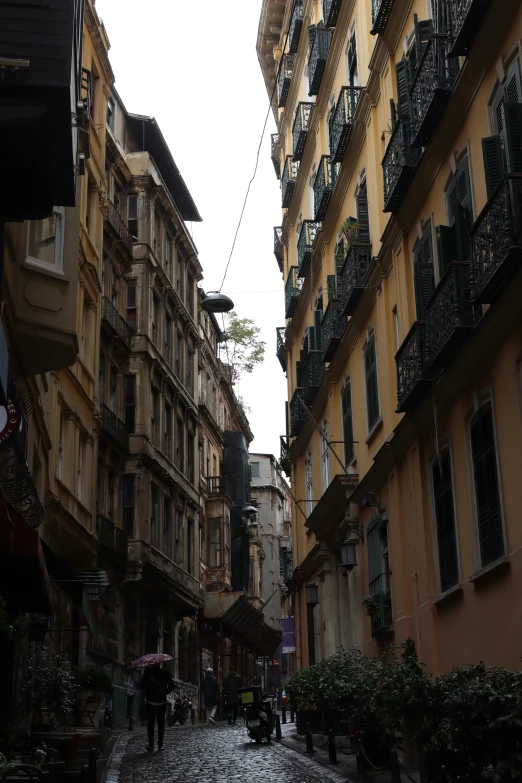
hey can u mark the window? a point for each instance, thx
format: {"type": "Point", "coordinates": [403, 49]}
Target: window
{"type": "Point", "coordinates": [325, 456]}
{"type": "Point", "coordinates": [453, 242]}
{"type": "Point", "coordinates": [379, 573]}
{"type": "Point", "coordinates": [154, 516]}
{"type": "Point", "coordinates": [363, 218]}
{"type": "Point", "coordinates": [154, 415]}
{"type": "Point", "coordinates": [155, 319]}
{"type": "Point", "coordinates": [190, 371]}
{"type": "Point", "coordinates": [128, 505]}
{"type": "Point", "coordinates": [201, 458]}
{"type": "Point", "coordinates": [190, 545]}
{"type": "Point", "coordinates": [61, 445]}
{"type": "Point", "coordinates": [157, 234]}
{"type": "Point", "coordinates": [168, 339]}
{"type": "Point", "coordinates": [372, 387]}
{"type": "Point", "coordinates": [111, 494]}
{"type": "Point", "coordinates": [110, 113]}
{"type": "Point", "coordinates": [180, 445]}
{"type": "Point", "coordinates": [214, 542]}
{"type": "Point", "coordinates": [397, 328]}
{"type": "Point", "coordinates": [255, 469]}
{"type": "Point", "coordinates": [132, 215]}
{"type": "Point", "coordinates": [423, 276]}
{"type": "Point", "coordinates": [190, 457]}
{"type": "Point", "coordinates": [309, 485]}
{"type": "Point", "coordinates": [487, 489]}
{"type": "Point", "coordinates": [167, 430]}
{"type": "Point", "coordinates": [353, 72]}
{"type": "Point", "coordinates": [214, 465]}
{"type": "Point", "coordinates": [201, 543]}
{"type": "Point", "coordinates": [179, 355]}
{"type": "Point", "coordinates": [208, 459]}
{"type": "Point", "coordinates": [227, 543]}
{"type": "Point", "coordinates": [130, 402]}
{"type": "Point", "coordinates": [502, 151]}
{"type": "Point", "coordinates": [168, 252]}
{"type": "Point", "coordinates": [79, 467]}
{"type": "Point", "coordinates": [177, 536]}
{"type": "Point", "coordinates": [45, 241]}
{"type": "Point", "coordinates": [95, 91]}
{"type": "Point", "coordinates": [131, 306]}
{"type": "Point", "coordinates": [115, 285]}
{"type": "Point", "coordinates": [445, 520]}
{"type": "Point", "coordinates": [190, 294]}
{"type": "Point", "coordinates": [91, 210]}
{"type": "Point", "coordinates": [167, 527]}
{"type": "Point", "coordinates": [113, 390]}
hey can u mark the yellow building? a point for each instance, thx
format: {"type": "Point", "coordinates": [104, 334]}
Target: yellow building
{"type": "Point", "coordinates": [398, 146]}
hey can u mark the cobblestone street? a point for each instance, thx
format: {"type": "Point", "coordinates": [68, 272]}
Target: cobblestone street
{"type": "Point", "coordinates": [219, 754]}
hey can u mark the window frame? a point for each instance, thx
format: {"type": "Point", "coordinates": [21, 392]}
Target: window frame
{"type": "Point", "coordinates": [371, 335]}
{"type": "Point", "coordinates": [444, 444]}
{"type": "Point", "coordinates": [59, 237]}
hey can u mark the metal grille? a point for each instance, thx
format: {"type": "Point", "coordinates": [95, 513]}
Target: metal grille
{"type": "Point", "coordinates": [379, 574]}
{"type": "Point", "coordinates": [352, 277]}
{"type": "Point", "coordinates": [398, 166]}
{"type": "Point", "coordinates": [114, 427]}
{"type": "Point", "coordinates": [278, 247]}
{"type": "Point", "coordinates": [333, 327]}
{"type": "Point", "coordinates": [381, 10]}
{"type": "Point", "coordinates": [115, 220]}
{"type": "Point", "coordinates": [288, 181]}
{"type": "Point", "coordinates": [300, 129]}
{"type": "Point", "coordinates": [297, 413]}
{"type": "Point", "coordinates": [466, 18]}
{"type": "Point", "coordinates": [323, 187]}
{"type": "Point", "coordinates": [342, 121]}
{"type": "Point", "coordinates": [285, 78]}
{"type": "Point", "coordinates": [118, 324]}
{"type": "Point", "coordinates": [431, 89]}
{"type": "Point", "coordinates": [318, 57]}
{"type": "Point", "coordinates": [292, 292]}
{"type": "Point", "coordinates": [281, 350]}
{"type": "Point", "coordinates": [312, 374]}
{"type": "Point", "coordinates": [331, 10]}
{"type": "Point", "coordinates": [274, 138]}
{"type": "Point", "coordinates": [413, 378]}
{"type": "Point", "coordinates": [305, 244]}
{"type": "Point", "coordinates": [296, 25]}
{"type": "Point", "coordinates": [449, 314]}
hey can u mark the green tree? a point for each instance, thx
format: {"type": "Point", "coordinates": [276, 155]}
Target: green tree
{"type": "Point", "coordinates": [244, 349]}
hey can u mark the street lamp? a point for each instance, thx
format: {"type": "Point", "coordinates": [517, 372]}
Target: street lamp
{"type": "Point", "coordinates": [312, 594]}
{"type": "Point", "coordinates": [216, 302]}
{"type": "Point", "coordinates": [348, 554]}
{"type": "Point", "coordinates": [249, 510]}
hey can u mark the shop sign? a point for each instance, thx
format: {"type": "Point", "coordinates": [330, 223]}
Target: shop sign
{"type": "Point", "coordinates": [93, 592]}
{"type": "Point", "coordinates": [9, 422]}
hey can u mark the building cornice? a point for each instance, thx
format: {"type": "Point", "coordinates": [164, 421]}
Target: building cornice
{"type": "Point", "coordinates": [93, 26]}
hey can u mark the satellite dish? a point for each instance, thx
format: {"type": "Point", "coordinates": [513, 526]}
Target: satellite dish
{"type": "Point", "coordinates": [215, 302]}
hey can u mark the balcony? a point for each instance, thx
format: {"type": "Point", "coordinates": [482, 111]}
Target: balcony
{"type": "Point", "coordinates": [466, 18]}
{"type": "Point", "coordinates": [281, 349]}
{"type": "Point", "coordinates": [323, 187]}
{"type": "Point", "coordinates": [431, 89]}
{"type": "Point", "coordinates": [352, 277]}
{"type": "Point", "coordinates": [285, 78]}
{"type": "Point", "coordinates": [318, 58]}
{"type": "Point", "coordinates": [279, 250]}
{"type": "Point", "coordinates": [111, 536]}
{"type": "Point", "coordinates": [304, 246]}
{"type": "Point", "coordinates": [312, 371]}
{"type": "Point", "coordinates": [333, 327]}
{"type": "Point", "coordinates": [113, 218]}
{"type": "Point", "coordinates": [118, 324]}
{"type": "Point", "coordinates": [381, 10]}
{"type": "Point", "coordinates": [331, 10]}
{"type": "Point", "coordinates": [274, 137]}
{"type": "Point", "coordinates": [292, 292]}
{"type": "Point", "coordinates": [398, 167]}
{"type": "Point", "coordinates": [216, 485]}
{"type": "Point", "coordinates": [449, 314]}
{"type": "Point", "coordinates": [341, 124]}
{"type": "Point", "coordinates": [496, 241]}
{"type": "Point", "coordinates": [296, 26]}
{"type": "Point", "coordinates": [413, 378]}
{"type": "Point", "coordinates": [288, 181]}
{"type": "Point", "coordinates": [285, 455]}
{"type": "Point", "coordinates": [297, 413]}
{"type": "Point", "coordinates": [300, 129]}
{"type": "Point", "coordinates": [114, 427]}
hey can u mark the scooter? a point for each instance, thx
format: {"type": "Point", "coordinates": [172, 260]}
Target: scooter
{"type": "Point", "coordinates": [180, 712]}
{"type": "Point", "coordinates": [259, 719]}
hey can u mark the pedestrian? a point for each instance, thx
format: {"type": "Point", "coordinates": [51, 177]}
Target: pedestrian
{"type": "Point", "coordinates": [210, 695]}
{"type": "Point", "coordinates": [231, 684]}
{"type": "Point", "coordinates": [156, 683]}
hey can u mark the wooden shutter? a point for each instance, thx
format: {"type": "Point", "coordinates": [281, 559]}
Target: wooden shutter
{"type": "Point", "coordinates": [372, 390]}
{"type": "Point", "coordinates": [331, 287]}
{"type": "Point", "coordinates": [403, 96]}
{"type": "Point", "coordinates": [463, 217]}
{"type": "Point", "coordinates": [445, 519]}
{"type": "Point", "coordinates": [447, 250]}
{"type": "Point", "coordinates": [512, 115]}
{"type": "Point", "coordinates": [423, 273]}
{"type": "Point", "coordinates": [298, 379]}
{"type": "Point", "coordinates": [487, 491]}
{"type": "Point", "coordinates": [362, 214]}
{"type": "Point", "coordinates": [346, 404]}
{"type": "Point", "coordinates": [318, 329]}
{"type": "Point", "coordinates": [312, 342]}
{"type": "Point", "coordinates": [493, 162]}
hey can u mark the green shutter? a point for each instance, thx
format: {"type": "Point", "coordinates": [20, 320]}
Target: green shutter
{"type": "Point", "coordinates": [445, 521]}
{"type": "Point", "coordinates": [372, 390]}
{"type": "Point", "coordinates": [318, 330]}
{"type": "Point", "coordinates": [403, 102]}
{"type": "Point", "coordinates": [312, 343]}
{"type": "Point", "coordinates": [331, 287]}
{"type": "Point", "coordinates": [446, 247]}
{"type": "Point", "coordinates": [512, 115]}
{"type": "Point", "coordinates": [362, 214]}
{"type": "Point", "coordinates": [423, 273]}
{"type": "Point", "coordinates": [513, 86]}
{"type": "Point", "coordinates": [346, 404]}
{"type": "Point", "coordinates": [493, 162]}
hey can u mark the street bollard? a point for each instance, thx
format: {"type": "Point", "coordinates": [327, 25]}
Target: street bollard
{"type": "Point", "coordinates": [283, 715]}
{"type": "Point", "coordinates": [278, 736]}
{"type": "Point", "coordinates": [309, 741]}
{"type": "Point", "coordinates": [332, 750]}
{"type": "Point", "coordinates": [131, 722]}
{"type": "Point", "coordinates": [292, 716]}
{"type": "Point", "coordinates": [395, 770]}
{"type": "Point", "coordinates": [361, 768]}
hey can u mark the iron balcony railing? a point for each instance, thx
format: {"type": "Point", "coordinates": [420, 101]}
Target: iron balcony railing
{"type": "Point", "coordinates": [305, 244]}
{"type": "Point", "coordinates": [496, 240]}
{"type": "Point", "coordinates": [285, 454]}
{"type": "Point", "coordinates": [279, 250]}
{"type": "Point", "coordinates": [273, 154]}
{"type": "Point", "coordinates": [413, 378]}
{"type": "Point", "coordinates": [296, 26]}
{"type": "Point", "coordinates": [297, 413]}
{"type": "Point", "coordinates": [333, 328]}
{"type": "Point", "coordinates": [312, 371]}
{"type": "Point", "coordinates": [466, 18]}
{"type": "Point", "coordinates": [382, 618]}
{"type": "Point", "coordinates": [398, 167]}
{"type": "Point", "coordinates": [318, 58]}
{"type": "Point", "coordinates": [288, 181]}
{"type": "Point", "coordinates": [216, 485]}
{"type": "Point", "coordinates": [431, 89]}
{"type": "Point", "coordinates": [352, 277]}
{"type": "Point", "coordinates": [292, 292]}
{"type": "Point", "coordinates": [114, 219]}
{"type": "Point", "coordinates": [449, 314]}
{"type": "Point", "coordinates": [300, 129]}
{"type": "Point", "coordinates": [331, 10]}
{"type": "Point", "coordinates": [281, 349]}
{"type": "Point", "coordinates": [285, 78]}
{"type": "Point", "coordinates": [381, 10]}
{"type": "Point", "coordinates": [323, 187]}
{"type": "Point", "coordinates": [114, 538]}
{"type": "Point", "coordinates": [117, 323]}
{"type": "Point", "coordinates": [121, 541]}
{"type": "Point", "coordinates": [342, 121]}
{"type": "Point", "coordinates": [114, 427]}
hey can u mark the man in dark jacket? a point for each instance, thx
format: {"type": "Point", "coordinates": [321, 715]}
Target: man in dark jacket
{"type": "Point", "coordinates": [210, 695]}
{"type": "Point", "coordinates": [156, 683]}
{"type": "Point", "coordinates": [231, 683]}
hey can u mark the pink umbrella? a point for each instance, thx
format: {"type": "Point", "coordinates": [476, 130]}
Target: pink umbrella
{"type": "Point", "coordinates": [150, 660]}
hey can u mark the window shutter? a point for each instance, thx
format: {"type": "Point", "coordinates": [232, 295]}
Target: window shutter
{"type": "Point", "coordinates": [513, 87]}
{"type": "Point", "coordinates": [374, 555]}
{"type": "Point", "coordinates": [487, 492]}
{"type": "Point", "coordinates": [446, 247]}
{"type": "Point", "coordinates": [331, 287]}
{"type": "Point", "coordinates": [318, 329]}
{"type": "Point", "coordinates": [362, 214]}
{"type": "Point", "coordinates": [493, 162]}
{"type": "Point", "coordinates": [512, 117]}
{"type": "Point", "coordinates": [346, 404]}
{"type": "Point", "coordinates": [372, 391]}
{"type": "Point", "coordinates": [298, 379]}
{"type": "Point", "coordinates": [311, 34]}
{"type": "Point", "coordinates": [312, 343]}
{"type": "Point", "coordinates": [403, 102]}
{"type": "Point", "coordinates": [423, 273]}
{"type": "Point", "coordinates": [445, 519]}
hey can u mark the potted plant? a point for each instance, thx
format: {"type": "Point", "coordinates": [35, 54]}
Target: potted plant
{"type": "Point", "coordinates": [350, 231]}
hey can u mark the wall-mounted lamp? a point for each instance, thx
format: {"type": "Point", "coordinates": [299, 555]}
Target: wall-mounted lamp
{"type": "Point", "coordinates": [312, 594]}
{"type": "Point", "coordinates": [349, 554]}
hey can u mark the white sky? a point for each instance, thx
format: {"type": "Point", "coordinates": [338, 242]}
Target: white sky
{"type": "Point", "coordinates": [193, 66]}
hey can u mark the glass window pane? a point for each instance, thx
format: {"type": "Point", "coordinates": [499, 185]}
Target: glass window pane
{"type": "Point", "coordinates": [42, 239]}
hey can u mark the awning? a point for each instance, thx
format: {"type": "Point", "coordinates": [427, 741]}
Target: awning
{"type": "Point", "coordinates": [250, 623]}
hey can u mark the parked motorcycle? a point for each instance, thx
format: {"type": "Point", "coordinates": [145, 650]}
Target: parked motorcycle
{"type": "Point", "coordinates": [181, 711]}
{"type": "Point", "coordinates": [259, 718]}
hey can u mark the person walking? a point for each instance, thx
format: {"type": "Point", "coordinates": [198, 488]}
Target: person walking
{"type": "Point", "coordinates": [231, 684]}
{"type": "Point", "coordinates": [156, 684]}
{"type": "Point", "coordinates": [210, 695]}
